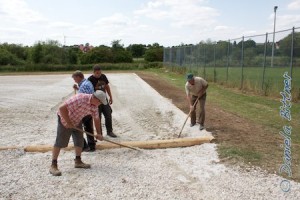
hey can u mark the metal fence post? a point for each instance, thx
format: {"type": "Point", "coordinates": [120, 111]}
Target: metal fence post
{"type": "Point", "coordinates": [228, 52]}
{"type": "Point", "coordinates": [242, 63]}
{"type": "Point", "coordinates": [170, 58]}
{"type": "Point", "coordinates": [215, 63]}
{"type": "Point", "coordinates": [164, 55]}
{"type": "Point", "coordinates": [264, 64]}
{"type": "Point", "coordinates": [292, 53]}
{"type": "Point", "coordinates": [179, 56]}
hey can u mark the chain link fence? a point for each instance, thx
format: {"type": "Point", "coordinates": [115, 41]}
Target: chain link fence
{"type": "Point", "coordinates": [247, 63]}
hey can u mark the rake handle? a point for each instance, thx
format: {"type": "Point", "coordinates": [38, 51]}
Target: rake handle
{"type": "Point", "coordinates": [187, 117]}
{"type": "Point", "coordinates": [123, 145]}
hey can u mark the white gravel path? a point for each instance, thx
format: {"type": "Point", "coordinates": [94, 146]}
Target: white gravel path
{"type": "Point", "coordinates": [28, 105]}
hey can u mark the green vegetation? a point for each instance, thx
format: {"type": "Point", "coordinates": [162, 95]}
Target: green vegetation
{"type": "Point", "coordinates": [87, 67]}
{"type": "Point", "coordinates": [237, 153]}
{"type": "Point", "coordinates": [52, 56]}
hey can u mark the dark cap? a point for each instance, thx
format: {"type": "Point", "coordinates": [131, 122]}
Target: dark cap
{"type": "Point", "coordinates": [189, 76]}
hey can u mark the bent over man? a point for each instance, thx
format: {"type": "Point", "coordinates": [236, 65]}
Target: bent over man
{"type": "Point", "coordinates": [70, 115]}
{"type": "Point", "coordinates": [195, 88]}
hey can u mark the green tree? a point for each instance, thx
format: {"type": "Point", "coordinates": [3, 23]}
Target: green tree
{"type": "Point", "coordinates": [13, 54]}
{"type": "Point", "coordinates": [36, 53]}
{"type": "Point", "coordinates": [247, 44]}
{"type": "Point", "coordinates": [72, 55]}
{"type": "Point", "coordinates": [7, 58]}
{"type": "Point", "coordinates": [52, 52]}
{"type": "Point", "coordinates": [18, 50]}
{"type": "Point", "coordinates": [115, 44]}
{"type": "Point", "coordinates": [49, 52]}
{"type": "Point", "coordinates": [137, 50]}
{"type": "Point", "coordinates": [154, 53]}
{"type": "Point", "coordinates": [286, 43]}
{"type": "Point", "coordinates": [120, 54]}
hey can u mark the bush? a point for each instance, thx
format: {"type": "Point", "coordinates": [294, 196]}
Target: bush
{"type": "Point", "coordinates": [154, 54]}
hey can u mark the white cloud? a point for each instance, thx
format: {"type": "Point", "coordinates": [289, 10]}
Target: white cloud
{"type": "Point", "coordinates": [127, 28]}
{"type": "Point", "coordinates": [13, 31]}
{"type": "Point", "coordinates": [189, 13]}
{"type": "Point", "coordinates": [294, 5]}
{"type": "Point", "coordinates": [61, 25]}
{"type": "Point", "coordinates": [221, 28]}
{"type": "Point", "coordinates": [288, 21]}
{"type": "Point", "coordinates": [19, 12]}
{"type": "Point", "coordinates": [116, 20]}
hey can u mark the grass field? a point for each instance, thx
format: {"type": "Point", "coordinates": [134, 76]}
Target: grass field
{"type": "Point", "coordinates": [252, 78]}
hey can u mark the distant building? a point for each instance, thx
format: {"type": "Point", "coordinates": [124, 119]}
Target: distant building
{"type": "Point", "coordinates": [85, 48]}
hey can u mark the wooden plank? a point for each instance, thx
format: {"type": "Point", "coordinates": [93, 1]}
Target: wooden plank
{"type": "Point", "coordinates": [8, 148]}
{"type": "Point", "coordinates": [148, 144]}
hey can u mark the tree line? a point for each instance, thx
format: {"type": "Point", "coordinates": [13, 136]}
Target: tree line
{"type": "Point", "coordinates": [52, 52]}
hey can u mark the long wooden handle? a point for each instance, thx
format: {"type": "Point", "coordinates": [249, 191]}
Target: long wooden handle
{"type": "Point", "coordinates": [187, 118]}
{"type": "Point", "coordinates": [123, 145]}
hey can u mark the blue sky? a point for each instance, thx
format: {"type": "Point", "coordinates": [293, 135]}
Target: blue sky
{"type": "Point", "coordinates": [167, 22]}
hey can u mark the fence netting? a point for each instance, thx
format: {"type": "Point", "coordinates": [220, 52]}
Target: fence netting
{"type": "Point", "coordinates": [251, 63]}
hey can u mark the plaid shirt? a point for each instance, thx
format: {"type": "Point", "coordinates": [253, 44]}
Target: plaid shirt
{"type": "Point", "coordinates": [79, 106]}
{"type": "Point", "coordinates": [85, 86]}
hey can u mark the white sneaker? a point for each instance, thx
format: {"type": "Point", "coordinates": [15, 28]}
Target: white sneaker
{"type": "Point", "coordinates": [201, 127]}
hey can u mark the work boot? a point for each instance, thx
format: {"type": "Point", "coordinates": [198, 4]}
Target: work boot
{"type": "Point", "coordinates": [86, 149]}
{"type": "Point", "coordinates": [80, 164]}
{"type": "Point", "coordinates": [201, 127]}
{"type": "Point", "coordinates": [92, 148]}
{"type": "Point", "coordinates": [111, 134]}
{"type": "Point", "coordinates": [54, 170]}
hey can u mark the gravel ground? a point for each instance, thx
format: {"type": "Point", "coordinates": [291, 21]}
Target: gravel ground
{"type": "Point", "coordinates": [28, 105]}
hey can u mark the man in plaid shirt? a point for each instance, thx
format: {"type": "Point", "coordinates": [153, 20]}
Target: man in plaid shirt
{"type": "Point", "coordinates": [70, 115]}
{"type": "Point", "coordinates": [86, 87]}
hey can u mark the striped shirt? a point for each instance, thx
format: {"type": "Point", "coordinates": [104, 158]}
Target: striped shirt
{"type": "Point", "coordinates": [85, 86]}
{"type": "Point", "coordinates": [80, 106]}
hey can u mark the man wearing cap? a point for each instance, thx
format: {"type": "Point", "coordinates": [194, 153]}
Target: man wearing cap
{"type": "Point", "coordinates": [86, 87]}
{"type": "Point", "coordinates": [195, 88]}
{"type": "Point", "coordinates": [70, 115]}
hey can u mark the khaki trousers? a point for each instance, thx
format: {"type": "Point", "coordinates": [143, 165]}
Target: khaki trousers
{"type": "Point", "coordinates": [201, 114]}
